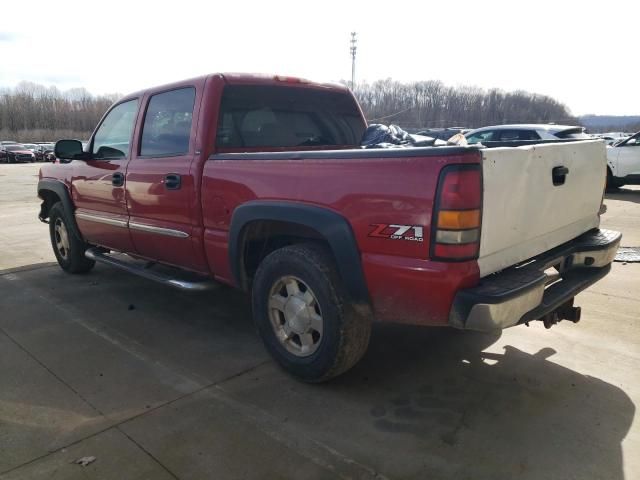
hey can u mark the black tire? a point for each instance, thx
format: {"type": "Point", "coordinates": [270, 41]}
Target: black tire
{"type": "Point", "coordinates": [69, 253]}
{"type": "Point", "coordinates": [345, 333]}
{"type": "Point", "coordinates": [613, 183]}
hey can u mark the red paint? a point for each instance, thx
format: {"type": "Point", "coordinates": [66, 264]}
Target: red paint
{"type": "Point", "coordinates": [404, 285]}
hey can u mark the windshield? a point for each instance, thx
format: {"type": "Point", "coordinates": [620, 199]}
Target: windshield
{"type": "Point", "coordinates": [632, 140]}
{"type": "Point", "coordinates": [15, 148]}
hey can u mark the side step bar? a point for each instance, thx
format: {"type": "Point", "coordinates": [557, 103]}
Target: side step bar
{"type": "Point", "coordinates": [99, 255]}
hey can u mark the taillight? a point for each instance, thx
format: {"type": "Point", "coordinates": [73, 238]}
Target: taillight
{"type": "Point", "coordinates": [457, 214]}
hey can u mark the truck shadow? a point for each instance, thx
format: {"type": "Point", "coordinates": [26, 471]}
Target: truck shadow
{"type": "Point", "coordinates": [492, 415]}
{"type": "Point", "coordinates": [624, 194]}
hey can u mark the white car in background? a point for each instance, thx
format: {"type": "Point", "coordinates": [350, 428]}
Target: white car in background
{"type": "Point", "coordinates": [612, 138]}
{"type": "Point", "coordinates": [623, 162]}
{"type": "Point", "coordinates": [519, 132]}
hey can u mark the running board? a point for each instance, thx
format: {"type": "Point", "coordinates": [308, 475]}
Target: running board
{"type": "Point", "coordinates": [99, 255]}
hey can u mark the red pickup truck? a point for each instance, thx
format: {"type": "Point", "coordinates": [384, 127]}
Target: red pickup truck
{"type": "Point", "coordinates": [260, 182]}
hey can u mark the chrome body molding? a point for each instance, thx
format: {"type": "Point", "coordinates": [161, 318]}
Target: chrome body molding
{"type": "Point", "coordinates": [101, 219]}
{"type": "Point", "coordinates": [142, 227]}
{"type": "Point", "coordinates": [169, 232]}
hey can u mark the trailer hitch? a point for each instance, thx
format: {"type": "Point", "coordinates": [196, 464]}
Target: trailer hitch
{"type": "Point", "coordinates": [566, 311]}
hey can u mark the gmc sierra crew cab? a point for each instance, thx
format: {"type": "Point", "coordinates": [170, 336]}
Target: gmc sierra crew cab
{"type": "Point", "coordinates": [259, 182]}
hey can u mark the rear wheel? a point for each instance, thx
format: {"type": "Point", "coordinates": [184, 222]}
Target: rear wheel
{"type": "Point", "coordinates": [302, 314]}
{"type": "Point", "coordinates": [68, 249]}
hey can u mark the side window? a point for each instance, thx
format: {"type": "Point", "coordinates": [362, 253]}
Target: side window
{"type": "Point", "coordinates": [114, 134]}
{"type": "Point", "coordinates": [167, 123]}
{"type": "Point", "coordinates": [529, 135]}
{"type": "Point", "coordinates": [514, 135]}
{"type": "Point", "coordinates": [480, 137]}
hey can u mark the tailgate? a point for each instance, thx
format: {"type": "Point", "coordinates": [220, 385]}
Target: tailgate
{"type": "Point", "coordinates": [524, 213]}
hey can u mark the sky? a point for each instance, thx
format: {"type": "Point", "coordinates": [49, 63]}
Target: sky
{"type": "Point", "coordinates": [581, 53]}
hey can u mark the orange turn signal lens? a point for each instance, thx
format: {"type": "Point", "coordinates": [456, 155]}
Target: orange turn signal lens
{"type": "Point", "coordinates": [458, 219]}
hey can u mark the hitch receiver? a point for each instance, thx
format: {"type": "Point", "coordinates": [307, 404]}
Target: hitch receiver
{"type": "Point", "coordinates": [566, 311]}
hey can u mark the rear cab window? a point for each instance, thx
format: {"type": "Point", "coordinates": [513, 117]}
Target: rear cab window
{"type": "Point", "coordinates": [258, 116]}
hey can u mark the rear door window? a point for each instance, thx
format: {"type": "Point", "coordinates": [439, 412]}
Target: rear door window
{"type": "Point", "coordinates": [273, 116]}
{"type": "Point", "coordinates": [167, 123]}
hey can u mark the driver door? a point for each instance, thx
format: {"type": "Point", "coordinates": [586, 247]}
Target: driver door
{"type": "Point", "coordinates": [98, 184]}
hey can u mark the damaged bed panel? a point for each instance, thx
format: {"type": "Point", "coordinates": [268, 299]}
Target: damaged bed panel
{"type": "Point", "coordinates": [538, 197]}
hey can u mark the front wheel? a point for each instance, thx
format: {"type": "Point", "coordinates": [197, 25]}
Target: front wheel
{"type": "Point", "coordinates": [68, 249]}
{"type": "Point", "coordinates": [612, 182]}
{"type": "Point", "coordinates": [302, 314]}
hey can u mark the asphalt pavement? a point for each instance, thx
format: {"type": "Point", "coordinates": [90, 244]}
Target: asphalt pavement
{"type": "Point", "coordinates": [145, 382]}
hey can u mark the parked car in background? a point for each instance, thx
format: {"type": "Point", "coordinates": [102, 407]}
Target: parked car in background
{"type": "Point", "coordinates": [611, 138]}
{"type": "Point", "coordinates": [623, 162]}
{"type": "Point", "coordinates": [518, 132]}
{"type": "Point", "coordinates": [4, 143]}
{"type": "Point", "coordinates": [36, 150]}
{"type": "Point", "coordinates": [607, 139]}
{"type": "Point", "coordinates": [47, 151]}
{"type": "Point", "coordinates": [17, 152]}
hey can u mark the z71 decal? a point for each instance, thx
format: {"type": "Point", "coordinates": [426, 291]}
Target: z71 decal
{"type": "Point", "coordinates": [412, 233]}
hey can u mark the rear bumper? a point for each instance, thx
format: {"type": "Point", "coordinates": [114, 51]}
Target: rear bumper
{"type": "Point", "coordinates": [523, 293]}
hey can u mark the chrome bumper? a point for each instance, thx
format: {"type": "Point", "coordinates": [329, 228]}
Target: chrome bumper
{"type": "Point", "coordinates": [523, 293]}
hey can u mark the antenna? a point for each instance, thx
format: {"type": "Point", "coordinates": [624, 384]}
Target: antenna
{"type": "Point", "coordinates": [353, 49]}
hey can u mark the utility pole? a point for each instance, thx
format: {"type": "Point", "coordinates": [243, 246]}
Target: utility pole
{"type": "Point", "coordinates": [353, 49]}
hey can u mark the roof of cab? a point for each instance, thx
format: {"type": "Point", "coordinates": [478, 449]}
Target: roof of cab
{"type": "Point", "coordinates": [242, 79]}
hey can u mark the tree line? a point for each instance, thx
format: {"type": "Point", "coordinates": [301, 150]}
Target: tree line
{"type": "Point", "coordinates": [33, 112]}
{"type": "Point", "coordinates": [428, 104]}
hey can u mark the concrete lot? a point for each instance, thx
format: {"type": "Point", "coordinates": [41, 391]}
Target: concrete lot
{"type": "Point", "coordinates": [161, 384]}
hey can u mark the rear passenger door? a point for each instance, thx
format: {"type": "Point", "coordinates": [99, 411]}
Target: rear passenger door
{"type": "Point", "coordinates": [161, 189]}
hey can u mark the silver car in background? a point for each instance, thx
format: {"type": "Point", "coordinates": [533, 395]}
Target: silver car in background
{"type": "Point", "coordinates": [519, 132]}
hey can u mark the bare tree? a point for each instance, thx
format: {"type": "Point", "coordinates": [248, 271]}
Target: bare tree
{"type": "Point", "coordinates": [430, 103]}
{"type": "Point", "coordinates": [33, 112]}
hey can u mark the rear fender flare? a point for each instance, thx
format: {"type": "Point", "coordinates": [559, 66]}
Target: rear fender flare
{"type": "Point", "coordinates": [332, 227]}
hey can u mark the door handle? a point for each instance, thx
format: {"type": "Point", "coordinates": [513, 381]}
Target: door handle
{"type": "Point", "coordinates": [559, 175]}
{"type": "Point", "coordinates": [172, 181]}
{"type": "Point", "coordinates": [117, 179]}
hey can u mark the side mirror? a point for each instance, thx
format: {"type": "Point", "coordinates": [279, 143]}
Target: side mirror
{"type": "Point", "coordinates": [69, 150]}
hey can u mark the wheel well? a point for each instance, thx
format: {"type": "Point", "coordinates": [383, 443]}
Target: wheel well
{"type": "Point", "coordinates": [49, 198]}
{"type": "Point", "coordinates": [261, 237]}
